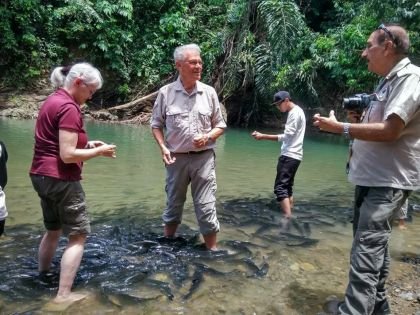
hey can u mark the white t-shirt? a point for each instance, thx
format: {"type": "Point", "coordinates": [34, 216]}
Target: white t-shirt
{"type": "Point", "coordinates": [392, 164]}
{"type": "Point", "coordinates": [293, 135]}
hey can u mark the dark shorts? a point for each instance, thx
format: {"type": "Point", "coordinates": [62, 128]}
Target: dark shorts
{"type": "Point", "coordinates": [63, 205]}
{"type": "Point", "coordinates": [2, 222]}
{"type": "Point", "coordinates": [286, 171]}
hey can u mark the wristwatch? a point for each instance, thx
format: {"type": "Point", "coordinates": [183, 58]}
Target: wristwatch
{"type": "Point", "coordinates": [346, 130]}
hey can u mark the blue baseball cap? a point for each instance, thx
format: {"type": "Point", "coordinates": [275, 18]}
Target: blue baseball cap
{"type": "Point", "coordinates": [280, 96]}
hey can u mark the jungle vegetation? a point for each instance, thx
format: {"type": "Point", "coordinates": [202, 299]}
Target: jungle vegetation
{"type": "Point", "coordinates": [251, 48]}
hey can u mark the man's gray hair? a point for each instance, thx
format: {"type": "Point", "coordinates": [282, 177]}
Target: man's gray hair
{"type": "Point", "coordinates": [398, 36]}
{"type": "Point", "coordinates": [179, 53]}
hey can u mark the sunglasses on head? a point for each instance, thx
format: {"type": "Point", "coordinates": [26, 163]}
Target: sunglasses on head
{"type": "Point", "coordinates": [387, 31]}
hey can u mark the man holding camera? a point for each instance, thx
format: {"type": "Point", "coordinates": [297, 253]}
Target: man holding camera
{"type": "Point", "coordinates": [384, 165]}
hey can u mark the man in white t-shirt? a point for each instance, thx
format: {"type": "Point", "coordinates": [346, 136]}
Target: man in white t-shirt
{"type": "Point", "coordinates": [291, 150]}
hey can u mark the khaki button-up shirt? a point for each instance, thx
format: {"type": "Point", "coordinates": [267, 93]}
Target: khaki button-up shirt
{"type": "Point", "coordinates": [184, 115]}
{"type": "Point", "coordinates": [392, 164]}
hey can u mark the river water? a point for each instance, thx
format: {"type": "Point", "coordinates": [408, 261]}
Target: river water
{"type": "Point", "coordinates": [128, 268]}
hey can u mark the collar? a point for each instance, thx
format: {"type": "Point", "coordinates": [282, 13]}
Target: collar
{"type": "Point", "coordinates": [63, 92]}
{"type": "Point", "coordinates": [198, 86]}
{"type": "Point", "coordinates": [400, 65]}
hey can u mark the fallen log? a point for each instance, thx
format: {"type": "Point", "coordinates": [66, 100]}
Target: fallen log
{"type": "Point", "coordinates": [135, 102]}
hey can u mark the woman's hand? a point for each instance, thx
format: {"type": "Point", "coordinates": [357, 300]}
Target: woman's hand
{"type": "Point", "coordinates": [108, 150]}
{"type": "Point", "coordinates": [94, 143]}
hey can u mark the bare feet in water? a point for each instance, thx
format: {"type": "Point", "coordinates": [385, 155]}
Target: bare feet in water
{"type": "Point", "coordinates": [69, 299]}
{"type": "Point", "coordinates": [401, 224]}
{"type": "Point", "coordinates": [61, 303]}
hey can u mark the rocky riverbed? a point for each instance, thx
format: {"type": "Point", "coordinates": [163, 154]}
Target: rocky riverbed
{"type": "Point", "coordinates": [404, 286]}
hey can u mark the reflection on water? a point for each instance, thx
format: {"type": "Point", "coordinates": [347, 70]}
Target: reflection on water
{"type": "Point", "coordinates": [129, 268]}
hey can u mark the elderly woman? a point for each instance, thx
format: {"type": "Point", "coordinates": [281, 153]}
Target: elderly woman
{"type": "Point", "coordinates": [61, 147]}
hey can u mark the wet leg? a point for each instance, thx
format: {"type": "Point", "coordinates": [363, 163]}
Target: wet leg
{"type": "Point", "coordinates": [70, 263]}
{"type": "Point", "coordinates": [169, 229]}
{"type": "Point", "coordinates": [401, 224]}
{"type": "Point", "coordinates": [211, 241]}
{"type": "Point", "coordinates": [285, 205]}
{"type": "Point", "coordinates": [47, 249]}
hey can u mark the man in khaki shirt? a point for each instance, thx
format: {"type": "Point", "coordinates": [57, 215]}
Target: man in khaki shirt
{"type": "Point", "coordinates": [384, 166]}
{"type": "Point", "coordinates": [186, 122]}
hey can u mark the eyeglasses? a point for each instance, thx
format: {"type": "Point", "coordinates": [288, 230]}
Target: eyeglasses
{"type": "Point", "coordinates": [387, 31]}
{"type": "Point", "coordinates": [195, 62]}
{"type": "Point", "coordinates": [91, 89]}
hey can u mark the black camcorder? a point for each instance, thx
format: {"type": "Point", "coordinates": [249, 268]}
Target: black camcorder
{"type": "Point", "coordinates": [358, 102]}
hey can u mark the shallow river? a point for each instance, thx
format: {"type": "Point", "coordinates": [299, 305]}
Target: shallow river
{"type": "Point", "coordinates": [128, 268]}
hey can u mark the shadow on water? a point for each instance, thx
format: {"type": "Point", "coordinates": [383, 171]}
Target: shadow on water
{"type": "Point", "coordinates": [127, 261]}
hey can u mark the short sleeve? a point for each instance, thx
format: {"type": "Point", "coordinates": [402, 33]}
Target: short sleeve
{"type": "Point", "coordinates": [69, 117]}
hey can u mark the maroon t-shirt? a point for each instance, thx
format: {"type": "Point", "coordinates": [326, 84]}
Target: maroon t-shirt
{"type": "Point", "coordinates": [59, 111]}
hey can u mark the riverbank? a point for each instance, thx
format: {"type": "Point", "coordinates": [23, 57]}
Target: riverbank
{"type": "Point", "coordinates": [26, 106]}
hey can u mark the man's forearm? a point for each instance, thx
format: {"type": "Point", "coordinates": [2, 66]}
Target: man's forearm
{"type": "Point", "coordinates": [270, 137]}
{"type": "Point", "coordinates": [160, 139]}
{"type": "Point", "coordinates": [389, 130]}
{"type": "Point", "coordinates": [215, 133]}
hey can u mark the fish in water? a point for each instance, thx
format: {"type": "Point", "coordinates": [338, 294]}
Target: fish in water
{"type": "Point", "coordinates": [128, 259]}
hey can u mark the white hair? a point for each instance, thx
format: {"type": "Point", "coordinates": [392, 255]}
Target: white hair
{"type": "Point", "coordinates": [179, 53]}
{"type": "Point", "coordinates": [57, 78]}
{"type": "Point", "coordinates": [65, 76]}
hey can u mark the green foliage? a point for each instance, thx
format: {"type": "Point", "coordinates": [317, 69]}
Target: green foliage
{"type": "Point", "coordinates": [250, 48]}
{"type": "Point", "coordinates": [23, 49]}
{"type": "Point", "coordinates": [334, 58]}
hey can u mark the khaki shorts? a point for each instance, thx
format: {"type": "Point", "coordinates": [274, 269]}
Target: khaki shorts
{"type": "Point", "coordinates": [63, 205]}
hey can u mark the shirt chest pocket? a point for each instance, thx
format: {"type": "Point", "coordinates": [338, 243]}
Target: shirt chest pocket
{"type": "Point", "coordinates": [176, 118]}
{"type": "Point", "coordinates": [204, 117]}
{"type": "Point", "coordinates": [376, 108]}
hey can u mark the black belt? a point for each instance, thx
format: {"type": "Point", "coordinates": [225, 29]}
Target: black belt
{"type": "Point", "coordinates": [193, 152]}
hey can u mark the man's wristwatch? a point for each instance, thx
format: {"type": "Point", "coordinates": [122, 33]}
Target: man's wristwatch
{"type": "Point", "coordinates": [346, 130]}
{"type": "Point", "coordinates": [209, 138]}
